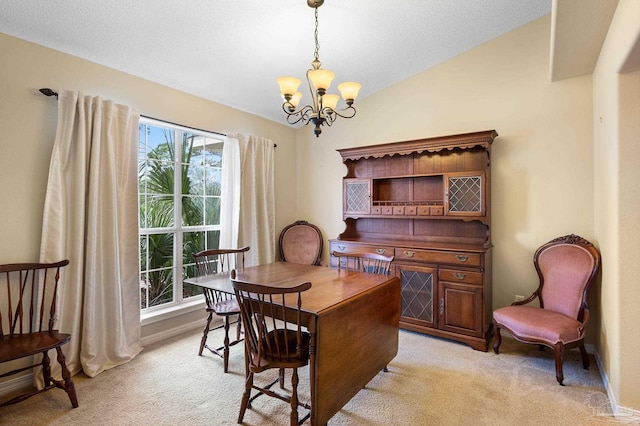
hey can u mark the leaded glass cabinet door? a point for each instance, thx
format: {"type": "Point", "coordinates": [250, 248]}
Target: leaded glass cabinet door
{"type": "Point", "coordinates": [418, 288]}
{"type": "Point", "coordinates": [357, 196]}
{"type": "Point", "coordinates": [465, 194]}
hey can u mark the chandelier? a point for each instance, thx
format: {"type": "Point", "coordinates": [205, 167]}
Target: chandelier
{"type": "Point", "coordinates": [323, 107]}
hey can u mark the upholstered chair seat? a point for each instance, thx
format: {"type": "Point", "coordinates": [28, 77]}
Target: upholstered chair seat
{"type": "Point", "coordinates": [530, 322]}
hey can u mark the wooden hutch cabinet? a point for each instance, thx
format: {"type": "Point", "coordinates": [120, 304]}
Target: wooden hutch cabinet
{"type": "Point", "coordinates": [427, 202]}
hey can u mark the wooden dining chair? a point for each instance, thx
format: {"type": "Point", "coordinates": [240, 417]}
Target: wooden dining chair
{"type": "Point", "coordinates": [224, 305]}
{"type": "Point", "coordinates": [566, 268]}
{"type": "Point", "coordinates": [364, 262]}
{"type": "Point", "coordinates": [28, 324]}
{"type": "Point", "coordinates": [273, 339]}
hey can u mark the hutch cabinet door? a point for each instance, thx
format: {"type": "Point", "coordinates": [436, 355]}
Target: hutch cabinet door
{"type": "Point", "coordinates": [418, 286]}
{"type": "Point", "coordinates": [460, 308]}
{"type": "Point", "coordinates": [357, 196]}
{"type": "Point", "coordinates": [464, 194]}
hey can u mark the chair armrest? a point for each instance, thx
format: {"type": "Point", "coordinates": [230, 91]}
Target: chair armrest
{"type": "Point", "coordinates": [526, 301]}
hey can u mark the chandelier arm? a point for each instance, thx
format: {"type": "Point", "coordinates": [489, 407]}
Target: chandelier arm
{"type": "Point", "coordinates": [293, 117]}
{"type": "Point", "coordinates": [315, 101]}
{"type": "Point", "coordinates": [350, 114]}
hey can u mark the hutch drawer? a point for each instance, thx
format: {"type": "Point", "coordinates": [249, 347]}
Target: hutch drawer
{"type": "Point", "coordinates": [435, 256]}
{"type": "Point", "coordinates": [465, 277]}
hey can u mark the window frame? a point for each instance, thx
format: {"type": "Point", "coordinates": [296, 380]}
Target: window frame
{"type": "Point", "coordinates": [178, 305]}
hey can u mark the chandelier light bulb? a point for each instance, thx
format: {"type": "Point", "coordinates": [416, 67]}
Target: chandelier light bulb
{"type": "Point", "coordinates": [288, 86]}
{"type": "Point", "coordinates": [349, 91]}
{"type": "Point", "coordinates": [321, 79]}
{"type": "Point", "coordinates": [295, 99]}
{"type": "Point", "coordinates": [330, 101]}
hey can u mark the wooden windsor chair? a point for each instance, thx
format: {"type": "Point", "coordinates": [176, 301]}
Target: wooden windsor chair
{"type": "Point", "coordinates": [224, 305]}
{"type": "Point", "coordinates": [28, 323]}
{"type": "Point", "coordinates": [363, 262]}
{"type": "Point", "coordinates": [273, 339]}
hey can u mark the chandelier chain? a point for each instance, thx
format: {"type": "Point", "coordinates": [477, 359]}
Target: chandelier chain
{"type": "Point", "coordinates": [315, 34]}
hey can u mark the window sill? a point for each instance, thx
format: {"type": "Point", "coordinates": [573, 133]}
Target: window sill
{"type": "Point", "coordinates": [171, 311]}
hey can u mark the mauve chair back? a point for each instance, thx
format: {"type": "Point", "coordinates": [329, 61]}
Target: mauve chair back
{"type": "Point", "coordinates": [566, 271]}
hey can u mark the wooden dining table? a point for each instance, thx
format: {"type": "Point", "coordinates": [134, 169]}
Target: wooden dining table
{"type": "Point", "coordinates": [352, 317]}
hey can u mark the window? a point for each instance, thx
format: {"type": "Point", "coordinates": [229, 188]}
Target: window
{"type": "Point", "coordinates": [179, 189]}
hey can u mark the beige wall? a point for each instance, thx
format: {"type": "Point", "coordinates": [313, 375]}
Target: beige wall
{"type": "Point", "coordinates": [616, 123]}
{"type": "Point", "coordinates": [28, 124]}
{"type": "Point", "coordinates": [542, 160]}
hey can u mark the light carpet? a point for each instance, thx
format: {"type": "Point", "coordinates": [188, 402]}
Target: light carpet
{"type": "Point", "coordinates": [430, 382]}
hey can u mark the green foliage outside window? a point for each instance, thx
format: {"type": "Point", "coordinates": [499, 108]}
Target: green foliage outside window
{"type": "Point", "coordinates": [197, 203]}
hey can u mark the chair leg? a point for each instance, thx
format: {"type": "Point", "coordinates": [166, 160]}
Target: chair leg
{"type": "Point", "coordinates": [585, 356]}
{"type": "Point", "coordinates": [46, 369]}
{"type": "Point", "coordinates": [245, 396]}
{"type": "Point", "coordinates": [69, 386]}
{"type": "Point", "coordinates": [497, 340]}
{"type": "Point", "coordinates": [294, 398]}
{"type": "Point", "coordinates": [239, 328]}
{"type": "Point", "coordinates": [281, 378]}
{"type": "Point", "coordinates": [203, 341]}
{"type": "Point", "coordinates": [559, 350]}
{"type": "Point", "coordinates": [225, 356]}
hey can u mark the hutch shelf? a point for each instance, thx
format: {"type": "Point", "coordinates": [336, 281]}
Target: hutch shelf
{"type": "Point", "coordinates": [427, 202]}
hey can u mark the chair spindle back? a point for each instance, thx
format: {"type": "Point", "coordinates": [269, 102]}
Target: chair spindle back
{"type": "Point", "coordinates": [31, 297]}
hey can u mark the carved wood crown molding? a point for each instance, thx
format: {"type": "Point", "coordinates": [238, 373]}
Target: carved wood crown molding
{"type": "Point", "coordinates": [571, 239]}
{"type": "Point", "coordinates": [462, 141]}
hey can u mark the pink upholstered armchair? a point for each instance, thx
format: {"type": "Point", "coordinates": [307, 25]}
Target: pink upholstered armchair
{"type": "Point", "coordinates": [566, 267]}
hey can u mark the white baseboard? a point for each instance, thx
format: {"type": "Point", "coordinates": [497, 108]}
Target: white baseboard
{"type": "Point", "coordinates": [622, 414]}
{"type": "Point", "coordinates": [16, 384]}
{"type": "Point", "coordinates": [172, 332]}
{"type": "Point", "coordinates": [26, 381]}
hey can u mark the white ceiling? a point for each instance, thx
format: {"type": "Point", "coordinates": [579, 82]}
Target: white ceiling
{"type": "Point", "coordinates": [231, 51]}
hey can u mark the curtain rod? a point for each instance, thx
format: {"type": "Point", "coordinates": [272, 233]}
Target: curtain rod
{"type": "Point", "coordinates": [48, 92]}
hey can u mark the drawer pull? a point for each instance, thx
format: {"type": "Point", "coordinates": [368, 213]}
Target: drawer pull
{"type": "Point", "coordinates": [409, 253]}
{"type": "Point", "coordinates": [460, 276]}
{"type": "Point", "coordinates": [441, 306]}
{"type": "Point", "coordinates": [341, 248]}
{"type": "Point", "coordinates": [462, 258]}
{"type": "Point", "coordinates": [380, 251]}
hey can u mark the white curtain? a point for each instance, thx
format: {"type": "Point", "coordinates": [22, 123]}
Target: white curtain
{"type": "Point", "coordinates": [247, 214]}
{"type": "Point", "coordinates": [91, 218]}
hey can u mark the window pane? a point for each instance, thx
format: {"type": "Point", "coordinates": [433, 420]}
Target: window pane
{"type": "Point", "coordinates": [189, 290]}
{"type": "Point", "coordinates": [192, 211]}
{"type": "Point", "coordinates": [213, 239]}
{"type": "Point", "coordinates": [213, 181]}
{"type": "Point", "coordinates": [156, 266]}
{"type": "Point", "coordinates": [156, 211]}
{"type": "Point", "coordinates": [156, 288]}
{"type": "Point", "coordinates": [158, 177]}
{"type": "Point", "coordinates": [192, 242]}
{"type": "Point", "coordinates": [194, 184]}
{"type": "Point", "coordinates": [212, 211]}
